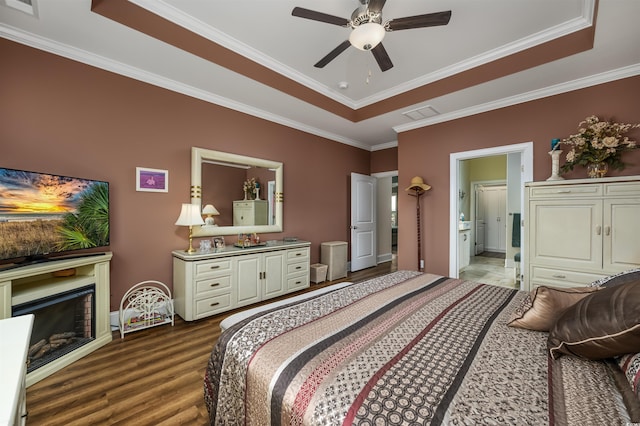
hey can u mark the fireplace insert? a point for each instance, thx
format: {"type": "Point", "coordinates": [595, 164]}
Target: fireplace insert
{"type": "Point", "coordinates": [63, 323]}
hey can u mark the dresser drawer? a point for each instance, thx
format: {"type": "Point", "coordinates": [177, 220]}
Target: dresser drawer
{"type": "Point", "coordinates": [297, 254]}
{"type": "Point", "coordinates": [212, 285]}
{"type": "Point", "coordinates": [565, 191]}
{"type": "Point", "coordinates": [297, 267]}
{"type": "Point", "coordinates": [561, 277]}
{"type": "Point", "coordinates": [212, 305]}
{"type": "Point", "coordinates": [213, 267]}
{"type": "Point", "coordinates": [622, 189]}
{"type": "Point", "coordinates": [298, 283]}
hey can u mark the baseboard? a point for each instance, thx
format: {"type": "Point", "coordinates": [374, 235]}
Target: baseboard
{"type": "Point", "coordinates": [114, 320]}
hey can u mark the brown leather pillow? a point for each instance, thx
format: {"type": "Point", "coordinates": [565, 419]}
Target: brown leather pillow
{"type": "Point", "coordinates": [602, 325]}
{"type": "Point", "coordinates": [542, 307]}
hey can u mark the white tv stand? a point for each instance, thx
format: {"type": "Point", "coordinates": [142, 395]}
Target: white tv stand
{"type": "Point", "coordinates": [36, 281]}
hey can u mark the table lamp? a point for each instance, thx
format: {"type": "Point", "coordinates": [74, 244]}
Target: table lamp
{"type": "Point", "coordinates": [210, 211]}
{"type": "Point", "coordinates": [189, 216]}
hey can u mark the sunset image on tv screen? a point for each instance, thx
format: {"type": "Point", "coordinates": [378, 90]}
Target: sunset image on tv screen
{"type": "Point", "coordinates": [44, 213]}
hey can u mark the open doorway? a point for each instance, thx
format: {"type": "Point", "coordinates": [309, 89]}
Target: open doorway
{"type": "Point", "coordinates": [519, 170]}
{"type": "Point", "coordinates": [387, 216]}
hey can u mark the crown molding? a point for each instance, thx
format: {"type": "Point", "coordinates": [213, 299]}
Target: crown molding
{"type": "Point", "coordinates": [167, 11]}
{"type": "Point", "coordinates": [172, 14]}
{"type": "Point", "coordinates": [386, 145]}
{"type": "Point", "coordinates": [564, 29]}
{"type": "Point", "coordinates": [581, 83]}
{"type": "Point", "coordinates": [120, 68]}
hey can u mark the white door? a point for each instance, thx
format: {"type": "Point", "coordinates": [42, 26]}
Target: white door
{"type": "Point", "coordinates": [495, 212]}
{"type": "Point", "coordinates": [479, 221]}
{"type": "Point", "coordinates": [363, 221]}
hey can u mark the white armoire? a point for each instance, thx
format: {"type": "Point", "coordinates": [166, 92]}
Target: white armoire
{"type": "Point", "coordinates": [581, 230]}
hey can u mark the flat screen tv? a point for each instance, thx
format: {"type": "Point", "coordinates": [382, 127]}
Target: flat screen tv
{"type": "Point", "coordinates": [45, 216]}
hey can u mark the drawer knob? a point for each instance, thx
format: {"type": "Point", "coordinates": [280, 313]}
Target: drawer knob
{"type": "Point", "coordinates": [298, 282]}
{"type": "Point", "coordinates": [298, 254]}
{"type": "Point", "coordinates": [298, 267]}
{"type": "Point", "coordinates": [215, 304]}
{"type": "Point", "coordinates": [562, 277]}
{"type": "Point", "coordinates": [215, 266]}
{"type": "Point", "coordinates": [215, 284]}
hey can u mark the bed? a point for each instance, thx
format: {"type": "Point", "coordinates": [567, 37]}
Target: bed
{"type": "Point", "coordinates": [407, 348]}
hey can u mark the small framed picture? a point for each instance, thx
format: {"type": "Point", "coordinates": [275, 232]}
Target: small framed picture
{"type": "Point", "coordinates": [152, 180]}
{"type": "Point", "coordinates": [218, 242]}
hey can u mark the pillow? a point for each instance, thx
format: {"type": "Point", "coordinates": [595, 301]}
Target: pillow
{"type": "Point", "coordinates": [541, 308]}
{"type": "Point", "coordinates": [602, 325]}
{"type": "Point", "coordinates": [630, 366]}
{"type": "Point", "coordinates": [621, 278]}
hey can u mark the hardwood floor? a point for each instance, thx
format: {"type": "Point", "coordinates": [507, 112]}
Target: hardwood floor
{"type": "Point", "coordinates": [152, 377]}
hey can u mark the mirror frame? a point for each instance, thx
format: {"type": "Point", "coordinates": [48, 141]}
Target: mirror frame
{"type": "Point", "coordinates": [198, 155]}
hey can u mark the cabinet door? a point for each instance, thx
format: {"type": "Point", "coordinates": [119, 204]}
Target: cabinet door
{"type": "Point", "coordinates": [242, 213]}
{"type": "Point", "coordinates": [566, 233]}
{"type": "Point", "coordinates": [247, 270]}
{"type": "Point", "coordinates": [494, 201]}
{"type": "Point", "coordinates": [274, 270]}
{"type": "Point", "coordinates": [621, 234]}
{"type": "Point", "coordinates": [463, 249]}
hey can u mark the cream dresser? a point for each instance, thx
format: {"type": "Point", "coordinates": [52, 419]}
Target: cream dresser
{"type": "Point", "coordinates": [208, 283]}
{"type": "Point", "coordinates": [581, 230]}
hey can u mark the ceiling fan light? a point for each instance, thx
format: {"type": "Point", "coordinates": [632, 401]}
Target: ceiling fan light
{"type": "Point", "coordinates": [367, 36]}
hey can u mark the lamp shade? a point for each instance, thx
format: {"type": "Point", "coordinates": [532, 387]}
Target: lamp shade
{"type": "Point", "coordinates": [190, 215]}
{"type": "Point", "coordinates": [367, 36]}
{"type": "Point", "coordinates": [210, 210]}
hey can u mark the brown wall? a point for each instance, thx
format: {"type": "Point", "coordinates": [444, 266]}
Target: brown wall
{"type": "Point", "coordinates": [425, 152]}
{"type": "Point", "coordinates": [384, 160]}
{"type": "Point", "coordinates": [64, 117]}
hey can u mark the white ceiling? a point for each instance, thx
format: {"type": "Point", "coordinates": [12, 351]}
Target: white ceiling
{"type": "Point", "coordinates": [480, 31]}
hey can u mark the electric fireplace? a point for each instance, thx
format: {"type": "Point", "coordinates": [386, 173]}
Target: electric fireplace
{"type": "Point", "coordinates": [63, 323]}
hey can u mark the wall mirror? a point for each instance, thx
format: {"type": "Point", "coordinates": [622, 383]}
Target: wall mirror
{"type": "Point", "coordinates": [218, 178]}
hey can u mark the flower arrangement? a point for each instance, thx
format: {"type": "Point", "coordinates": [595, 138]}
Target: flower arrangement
{"type": "Point", "coordinates": [249, 188]}
{"type": "Point", "coordinates": [598, 142]}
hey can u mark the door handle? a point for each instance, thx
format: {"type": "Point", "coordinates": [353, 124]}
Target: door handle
{"type": "Point", "coordinates": [607, 230]}
{"type": "Point", "coordinates": [598, 230]}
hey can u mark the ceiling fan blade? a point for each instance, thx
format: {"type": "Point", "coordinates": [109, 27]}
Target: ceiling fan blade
{"type": "Point", "coordinates": [333, 54]}
{"type": "Point", "coordinates": [319, 16]}
{"type": "Point", "coordinates": [420, 21]}
{"type": "Point", "coordinates": [376, 5]}
{"type": "Point", "coordinates": [382, 57]}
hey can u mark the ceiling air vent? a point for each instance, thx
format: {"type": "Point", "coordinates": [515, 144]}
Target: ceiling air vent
{"type": "Point", "coordinates": [26, 6]}
{"type": "Point", "coordinates": [421, 113]}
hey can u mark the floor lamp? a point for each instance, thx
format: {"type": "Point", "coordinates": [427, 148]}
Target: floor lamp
{"type": "Point", "coordinates": [416, 189]}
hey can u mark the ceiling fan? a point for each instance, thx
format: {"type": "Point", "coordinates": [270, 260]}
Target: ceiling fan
{"type": "Point", "coordinates": [368, 30]}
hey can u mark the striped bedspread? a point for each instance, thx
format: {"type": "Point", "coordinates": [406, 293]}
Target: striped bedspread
{"type": "Point", "coordinates": [406, 348]}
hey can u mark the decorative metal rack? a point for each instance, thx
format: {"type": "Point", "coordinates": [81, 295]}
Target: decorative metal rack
{"type": "Point", "coordinates": [146, 304]}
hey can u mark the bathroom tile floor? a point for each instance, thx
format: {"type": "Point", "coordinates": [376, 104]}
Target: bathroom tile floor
{"type": "Point", "coordinates": [489, 270]}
